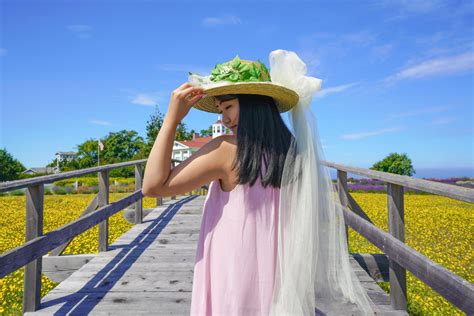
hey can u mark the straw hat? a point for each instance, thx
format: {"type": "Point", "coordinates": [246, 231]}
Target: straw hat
{"type": "Point", "coordinates": [244, 77]}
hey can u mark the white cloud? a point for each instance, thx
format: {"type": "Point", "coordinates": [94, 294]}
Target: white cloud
{"type": "Point", "coordinates": [443, 121]}
{"type": "Point", "coordinates": [335, 89]}
{"type": "Point", "coordinates": [144, 99]}
{"type": "Point", "coordinates": [437, 66]}
{"type": "Point", "coordinates": [418, 112]}
{"type": "Point", "coordinates": [225, 20]}
{"type": "Point", "coordinates": [3, 52]}
{"type": "Point", "coordinates": [361, 135]}
{"type": "Point", "coordinates": [81, 30]}
{"type": "Point", "coordinates": [98, 122]}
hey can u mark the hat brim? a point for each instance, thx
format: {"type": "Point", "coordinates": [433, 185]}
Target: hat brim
{"type": "Point", "coordinates": [285, 98]}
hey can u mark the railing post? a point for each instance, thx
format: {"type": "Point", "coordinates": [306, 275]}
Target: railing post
{"type": "Point", "coordinates": [138, 186]}
{"type": "Point", "coordinates": [34, 228]}
{"type": "Point", "coordinates": [396, 227]}
{"type": "Point", "coordinates": [103, 200]}
{"type": "Point", "coordinates": [343, 193]}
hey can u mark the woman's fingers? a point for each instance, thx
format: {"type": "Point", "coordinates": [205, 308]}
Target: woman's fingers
{"type": "Point", "coordinates": [196, 98]}
{"type": "Point", "coordinates": [191, 91]}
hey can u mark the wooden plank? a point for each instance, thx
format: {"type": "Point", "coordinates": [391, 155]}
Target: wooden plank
{"type": "Point", "coordinates": [127, 281]}
{"type": "Point", "coordinates": [90, 208]}
{"type": "Point", "coordinates": [34, 229]}
{"type": "Point", "coordinates": [449, 190]}
{"type": "Point", "coordinates": [59, 268]}
{"type": "Point", "coordinates": [375, 264]}
{"type": "Point", "coordinates": [129, 214]}
{"type": "Point", "coordinates": [396, 227]}
{"type": "Point", "coordinates": [115, 303]}
{"type": "Point", "coordinates": [103, 201]}
{"type": "Point", "coordinates": [142, 264]}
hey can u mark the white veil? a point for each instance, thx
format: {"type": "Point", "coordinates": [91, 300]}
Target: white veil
{"type": "Point", "coordinates": [313, 268]}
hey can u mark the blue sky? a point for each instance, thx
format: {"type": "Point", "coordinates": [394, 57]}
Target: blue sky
{"type": "Point", "coordinates": [397, 75]}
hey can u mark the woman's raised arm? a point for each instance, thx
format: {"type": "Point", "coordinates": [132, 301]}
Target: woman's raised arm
{"type": "Point", "coordinates": [199, 169]}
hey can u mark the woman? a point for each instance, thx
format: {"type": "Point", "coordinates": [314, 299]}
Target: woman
{"type": "Point", "coordinates": [272, 240]}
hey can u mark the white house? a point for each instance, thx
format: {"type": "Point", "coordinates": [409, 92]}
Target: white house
{"type": "Point", "coordinates": [184, 149]}
{"type": "Point", "coordinates": [65, 155]}
{"type": "Point", "coordinates": [218, 128]}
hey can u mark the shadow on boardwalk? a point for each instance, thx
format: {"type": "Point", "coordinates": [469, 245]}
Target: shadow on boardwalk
{"type": "Point", "coordinates": [106, 278]}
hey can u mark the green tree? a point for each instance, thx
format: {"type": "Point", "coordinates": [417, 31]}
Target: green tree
{"type": "Point", "coordinates": [121, 146]}
{"type": "Point", "coordinates": [118, 147]}
{"type": "Point", "coordinates": [153, 127]}
{"type": "Point", "coordinates": [206, 132]}
{"type": "Point", "coordinates": [182, 132]}
{"type": "Point", "coordinates": [191, 134]}
{"type": "Point", "coordinates": [10, 168]}
{"type": "Point", "coordinates": [87, 156]}
{"type": "Point", "coordinates": [395, 163]}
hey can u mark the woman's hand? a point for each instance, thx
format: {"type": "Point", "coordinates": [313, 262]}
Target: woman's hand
{"type": "Point", "coordinates": [182, 99]}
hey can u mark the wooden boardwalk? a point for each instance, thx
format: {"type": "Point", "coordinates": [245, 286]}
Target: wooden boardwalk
{"type": "Point", "coordinates": [149, 270]}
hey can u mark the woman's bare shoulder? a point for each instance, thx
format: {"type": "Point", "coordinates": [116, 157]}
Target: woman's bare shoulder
{"type": "Point", "coordinates": [227, 147]}
{"type": "Point", "coordinates": [229, 139]}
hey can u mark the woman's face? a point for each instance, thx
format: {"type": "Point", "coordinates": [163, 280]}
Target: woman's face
{"type": "Point", "coordinates": [230, 110]}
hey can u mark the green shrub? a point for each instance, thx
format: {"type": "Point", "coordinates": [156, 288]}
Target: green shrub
{"type": "Point", "coordinates": [60, 190]}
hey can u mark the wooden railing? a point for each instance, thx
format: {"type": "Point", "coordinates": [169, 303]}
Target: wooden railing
{"type": "Point", "coordinates": [401, 257]}
{"type": "Point", "coordinates": [37, 244]}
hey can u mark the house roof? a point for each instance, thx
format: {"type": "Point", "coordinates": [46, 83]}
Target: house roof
{"type": "Point", "coordinates": [198, 142]}
{"type": "Point", "coordinates": [40, 170]}
{"type": "Point", "coordinates": [66, 153]}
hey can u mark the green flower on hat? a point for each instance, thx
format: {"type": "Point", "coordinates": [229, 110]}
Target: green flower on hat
{"type": "Point", "coordinates": [238, 70]}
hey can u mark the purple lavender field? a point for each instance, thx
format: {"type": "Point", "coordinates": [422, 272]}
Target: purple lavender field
{"type": "Point", "coordinates": [374, 186]}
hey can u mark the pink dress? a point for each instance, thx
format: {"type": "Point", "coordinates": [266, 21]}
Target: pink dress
{"type": "Point", "coordinates": [236, 252]}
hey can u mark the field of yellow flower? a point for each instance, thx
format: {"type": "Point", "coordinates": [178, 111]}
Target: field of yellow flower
{"type": "Point", "coordinates": [438, 227]}
{"type": "Point", "coordinates": [58, 211]}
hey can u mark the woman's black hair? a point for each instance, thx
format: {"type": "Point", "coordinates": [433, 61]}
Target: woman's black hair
{"type": "Point", "coordinates": [261, 134]}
